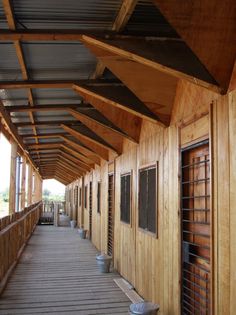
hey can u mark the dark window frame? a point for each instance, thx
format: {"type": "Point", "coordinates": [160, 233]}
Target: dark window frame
{"type": "Point", "coordinates": [146, 225]}
{"type": "Point", "coordinates": [85, 196]}
{"type": "Point", "coordinates": [99, 197]}
{"type": "Point", "coordinates": [124, 217]}
{"type": "Point", "coordinates": [80, 196]}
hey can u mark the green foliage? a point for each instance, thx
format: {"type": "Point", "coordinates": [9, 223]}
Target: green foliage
{"type": "Point", "coordinates": [4, 195]}
{"type": "Point", "coordinates": [48, 196]}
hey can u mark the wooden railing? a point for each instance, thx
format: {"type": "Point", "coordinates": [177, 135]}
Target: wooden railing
{"type": "Point", "coordinates": [50, 212]}
{"type": "Point", "coordinates": [15, 230]}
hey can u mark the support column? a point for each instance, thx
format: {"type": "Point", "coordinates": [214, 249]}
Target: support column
{"type": "Point", "coordinates": [22, 203]}
{"type": "Point", "coordinates": [30, 178]}
{"type": "Point", "coordinates": [12, 190]}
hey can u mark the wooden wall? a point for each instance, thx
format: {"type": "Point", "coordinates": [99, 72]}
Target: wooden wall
{"type": "Point", "coordinates": [152, 264]}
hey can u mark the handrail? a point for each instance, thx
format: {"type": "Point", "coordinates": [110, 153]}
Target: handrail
{"type": "Point", "coordinates": [14, 236]}
{"type": "Point", "coordinates": [5, 221]}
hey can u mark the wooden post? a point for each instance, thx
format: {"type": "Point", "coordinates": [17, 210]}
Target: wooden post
{"type": "Point", "coordinates": [22, 204]}
{"type": "Point", "coordinates": [56, 214]}
{"type": "Point", "coordinates": [29, 197]}
{"type": "Point", "coordinates": [12, 190]}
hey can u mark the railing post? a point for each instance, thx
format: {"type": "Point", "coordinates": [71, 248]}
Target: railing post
{"type": "Point", "coordinates": [56, 214]}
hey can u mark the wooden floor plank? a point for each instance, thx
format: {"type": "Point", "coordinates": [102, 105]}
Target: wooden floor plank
{"type": "Point", "coordinates": [57, 274]}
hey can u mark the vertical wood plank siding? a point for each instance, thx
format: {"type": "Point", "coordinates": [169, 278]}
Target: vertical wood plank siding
{"type": "Point", "coordinates": [152, 264]}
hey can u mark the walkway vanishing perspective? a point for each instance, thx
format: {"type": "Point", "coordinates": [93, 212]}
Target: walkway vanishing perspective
{"type": "Point", "coordinates": [57, 274]}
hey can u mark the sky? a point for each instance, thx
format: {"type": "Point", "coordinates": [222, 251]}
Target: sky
{"type": "Point", "coordinates": [54, 186]}
{"type": "Point", "coordinates": [5, 161]}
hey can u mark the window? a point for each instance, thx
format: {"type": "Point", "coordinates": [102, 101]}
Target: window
{"type": "Point", "coordinates": [148, 199]}
{"type": "Point", "coordinates": [80, 196]}
{"type": "Point", "coordinates": [76, 197]}
{"type": "Point", "coordinates": [85, 196]}
{"type": "Point", "coordinates": [125, 197]}
{"type": "Point", "coordinates": [99, 198]}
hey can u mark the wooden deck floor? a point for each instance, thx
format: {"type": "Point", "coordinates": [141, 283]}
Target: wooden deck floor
{"type": "Point", "coordinates": [57, 274]}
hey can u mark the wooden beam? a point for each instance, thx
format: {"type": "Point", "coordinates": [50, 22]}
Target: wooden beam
{"type": "Point", "coordinates": [7, 5]}
{"type": "Point", "coordinates": [81, 157]}
{"type": "Point", "coordinates": [117, 96]}
{"type": "Point", "coordinates": [166, 55]}
{"type": "Point", "coordinates": [44, 136]}
{"type": "Point", "coordinates": [206, 32]}
{"type": "Point", "coordinates": [69, 161]}
{"type": "Point", "coordinates": [13, 130]}
{"type": "Point", "coordinates": [30, 179]}
{"type": "Point", "coordinates": [23, 181]}
{"type": "Point", "coordinates": [47, 123]}
{"type": "Point", "coordinates": [170, 56]}
{"type": "Point", "coordinates": [79, 114]}
{"type": "Point", "coordinates": [52, 84]}
{"type": "Point", "coordinates": [69, 167]}
{"type": "Point", "coordinates": [47, 35]}
{"type": "Point", "coordinates": [76, 132]}
{"type": "Point", "coordinates": [102, 152]}
{"type": "Point", "coordinates": [74, 159]}
{"type": "Point", "coordinates": [157, 90]}
{"type": "Point", "coordinates": [40, 108]}
{"type": "Point", "coordinates": [92, 156]}
{"type": "Point", "coordinates": [121, 20]}
{"type": "Point", "coordinates": [108, 134]}
{"type": "Point", "coordinates": [51, 145]}
{"type": "Point", "coordinates": [100, 121]}
{"type": "Point", "coordinates": [12, 189]}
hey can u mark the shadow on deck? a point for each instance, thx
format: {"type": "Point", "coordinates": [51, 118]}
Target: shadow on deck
{"type": "Point", "coordinates": [57, 274]}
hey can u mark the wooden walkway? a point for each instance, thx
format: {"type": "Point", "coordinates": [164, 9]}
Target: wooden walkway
{"type": "Point", "coordinates": [57, 274]}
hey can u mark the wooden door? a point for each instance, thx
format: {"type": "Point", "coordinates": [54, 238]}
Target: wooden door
{"type": "Point", "coordinates": [110, 214]}
{"type": "Point", "coordinates": [196, 231]}
{"type": "Point", "coordinates": [90, 209]}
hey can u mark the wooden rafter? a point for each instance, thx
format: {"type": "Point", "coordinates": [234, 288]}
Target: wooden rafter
{"type": "Point", "coordinates": [99, 150]}
{"type": "Point", "coordinates": [48, 123]}
{"type": "Point", "coordinates": [83, 136]}
{"type": "Point", "coordinates": [117, 96]}
{"type": "Point", "coordinates": [51, 84]}
{"type": "Point", "coordinates": [92, 156]}
{"type": "Point", "coordinates": [7, 4]}
{"type": "Point", "coordinates": [4, 114]}
{"type": "Point", "coordinates": [80, 156]}
{"type": "Point", "coordinates": [158, 53]}
{"type": "Point", "coordinates": [171, 56]}
{"type": "Point", "coordinates": [97, 119]}
{"type": "Point", "coordinates": [209, 29]}
{"type": "Point", "coordinates": [40, 108]}
{"type": "Point", "coordinates": [121, 20]}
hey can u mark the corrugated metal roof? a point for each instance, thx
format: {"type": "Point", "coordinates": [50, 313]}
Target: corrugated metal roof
{"type": "Point", "coordinates": [147, 19]}
{"type": "Point", "coordinates": [51, 114]}
{"type": "Point", "coordinates": [58, 60]}
{"type": "Point", "coordinates": [56, 96]}
{"type": "Point", "coordinates": [9, 65]}
{"type": "Point", "coordinates": [69, 14]}
{"type": "Point", "coordinates": [51, 140]}
{"type": "Point", "coordinates": [48, 130]}
{"type": "Point", "coordinates": [55, 117]}
{"type": "Point", "coordinates": [3, 21]}
{"type": "Point", "coordinates": [14, 97]}
{"type": "Point", "coordinates": [25, 130]}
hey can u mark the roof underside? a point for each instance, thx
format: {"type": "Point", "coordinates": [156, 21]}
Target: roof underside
{"type": "Point", "coordinates": [66, 113]}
